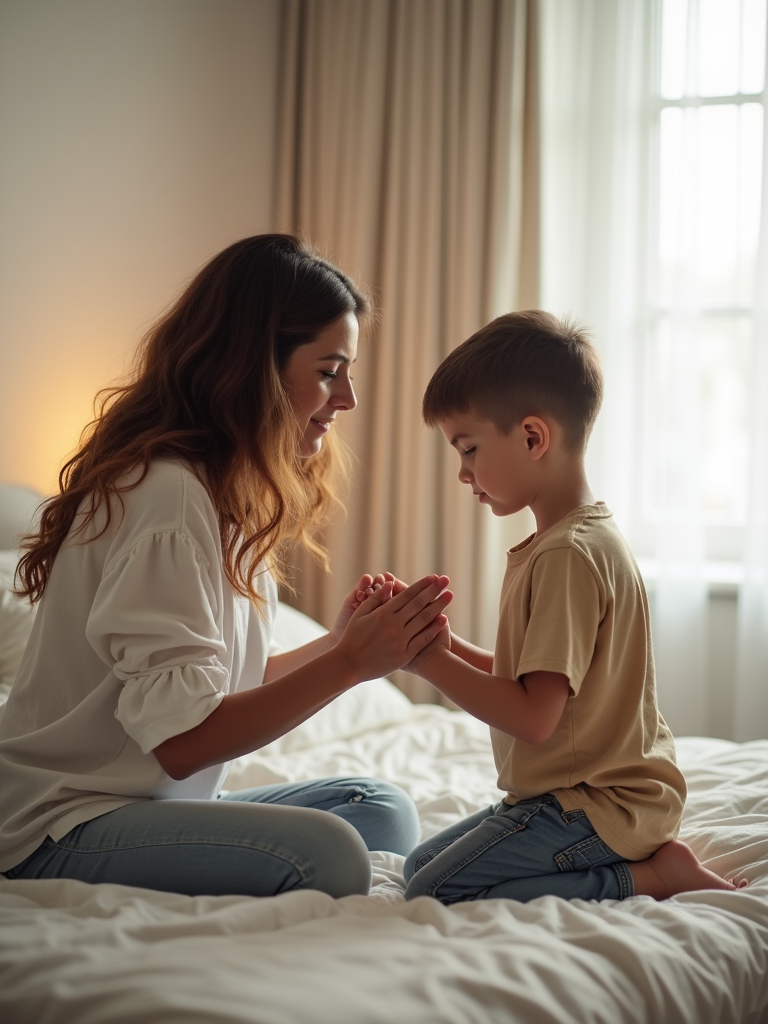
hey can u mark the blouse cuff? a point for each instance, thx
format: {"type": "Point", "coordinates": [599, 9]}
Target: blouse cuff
{"type": "Point", "coordinates": [156, 706]}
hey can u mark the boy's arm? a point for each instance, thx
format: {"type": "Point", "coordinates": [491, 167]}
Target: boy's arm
{"type": "Point", "coordinates": [477, 657]}
{"type": "Point", "coordinates": [528, 708]}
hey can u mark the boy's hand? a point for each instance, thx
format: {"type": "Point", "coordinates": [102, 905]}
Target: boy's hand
{"type": "Point", "coordinates": [366, 586]}
{"type": "Point", "coordinates": [387, 631]}
{"type": "Point", "coordinates": [442, 642]}
{"type": "Point", "coordinates": [397, 588]}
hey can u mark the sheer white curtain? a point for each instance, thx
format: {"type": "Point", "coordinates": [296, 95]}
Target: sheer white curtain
{"type": "Point", "coordinates": [751, 700]}
{"type": "Point", "coordinates": [630, 218]}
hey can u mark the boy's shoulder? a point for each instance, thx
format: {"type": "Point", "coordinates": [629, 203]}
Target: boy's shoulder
{"type": "Point", "coordinates": [589, 530]}
{"type": "Point", "coordinates": [584, 528]}
{"type": "Point", "coordinates": [592, 532]}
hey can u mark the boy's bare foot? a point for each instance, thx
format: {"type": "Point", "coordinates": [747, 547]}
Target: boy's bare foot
{"type": "Point", "coordinates": [672, 869]}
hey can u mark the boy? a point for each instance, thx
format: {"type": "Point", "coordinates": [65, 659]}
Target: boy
{"type": "Point", "coordinates": [593, 795]}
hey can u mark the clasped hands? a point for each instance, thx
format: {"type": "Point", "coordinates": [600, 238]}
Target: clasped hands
{"type": "Point", "coordinates": [384, 624]}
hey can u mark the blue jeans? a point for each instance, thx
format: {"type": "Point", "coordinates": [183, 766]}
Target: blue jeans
{"type": "Point", "coordinates": [532, 849]}
{"type": "Point", "coordinates": [254, 842]}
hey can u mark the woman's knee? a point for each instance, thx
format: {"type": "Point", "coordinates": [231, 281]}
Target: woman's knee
{"type": "Point", "coordinates": [406, 825]}
{"type": "Point", "coordinates": [384, 814]}
{"type": "Point", "coordinates": [342, 866]}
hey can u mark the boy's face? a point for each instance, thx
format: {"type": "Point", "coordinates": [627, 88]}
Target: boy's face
{"type": "Point", "coordinates": [498, 467]}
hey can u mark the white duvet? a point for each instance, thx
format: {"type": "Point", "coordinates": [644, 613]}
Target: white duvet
{"type": "Point", "coordinates": [77, 954]}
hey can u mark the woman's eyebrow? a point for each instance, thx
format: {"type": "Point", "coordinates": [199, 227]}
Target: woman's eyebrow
{"type": "Point", "coordinates": [337, 357]}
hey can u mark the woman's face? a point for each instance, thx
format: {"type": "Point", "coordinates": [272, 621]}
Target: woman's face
{"type": "Point", "coordinates": [318, 383]}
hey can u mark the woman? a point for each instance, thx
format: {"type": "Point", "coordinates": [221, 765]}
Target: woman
{"type": "Point", "coordinates": [156, 569]}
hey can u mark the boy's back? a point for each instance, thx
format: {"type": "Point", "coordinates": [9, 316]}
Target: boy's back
{"type": "Point", "coordinates": [573, 602]}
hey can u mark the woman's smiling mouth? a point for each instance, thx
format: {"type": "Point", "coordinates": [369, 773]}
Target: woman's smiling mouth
{"type": "Point", "coordinates": [324, 425]}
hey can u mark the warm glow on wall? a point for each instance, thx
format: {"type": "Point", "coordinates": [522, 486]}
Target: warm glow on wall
{"type": "Point", "coordinates": [137, 142]}
{"type": "Point", "coordinates": [63, 406]}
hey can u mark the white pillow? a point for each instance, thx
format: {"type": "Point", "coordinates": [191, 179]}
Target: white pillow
{"type": "Point", "coordinates": [369, 705]}
{"type": "Point", "coordinates": [16, 618]}
{"type": "Point", "coordinates": [18, 513]}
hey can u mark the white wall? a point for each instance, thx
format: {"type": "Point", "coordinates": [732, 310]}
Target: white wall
{"type": "Point", "coordinates": [137, 141]}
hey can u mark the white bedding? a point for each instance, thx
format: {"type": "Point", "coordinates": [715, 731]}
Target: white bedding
{"type": "Point", "coordinates": [77, 954]}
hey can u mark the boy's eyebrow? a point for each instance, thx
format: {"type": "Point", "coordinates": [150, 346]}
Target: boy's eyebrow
{"type": "Point", "coordinates": [459, 437]}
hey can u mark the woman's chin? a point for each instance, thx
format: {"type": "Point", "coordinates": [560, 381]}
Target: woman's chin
{"type": "Point", "coordinates": [310, 447]}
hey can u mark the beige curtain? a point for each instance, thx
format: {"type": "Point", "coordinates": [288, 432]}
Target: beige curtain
{"type": "Point", "coordinates": [407, 154]}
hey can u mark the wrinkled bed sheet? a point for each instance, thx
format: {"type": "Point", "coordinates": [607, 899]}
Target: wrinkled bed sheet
{"type": "Point", "coordinates": [77, 954]}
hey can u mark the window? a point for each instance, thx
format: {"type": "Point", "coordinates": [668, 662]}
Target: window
{"type": "Point", "coordinates": [707, 129]}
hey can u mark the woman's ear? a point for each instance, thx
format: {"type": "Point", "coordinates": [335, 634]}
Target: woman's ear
{"type": "Point", "coordinates": [537, 437]}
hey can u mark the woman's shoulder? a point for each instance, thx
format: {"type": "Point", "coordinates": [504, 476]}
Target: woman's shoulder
{"type": "Point", "coordinates": [170, 499]}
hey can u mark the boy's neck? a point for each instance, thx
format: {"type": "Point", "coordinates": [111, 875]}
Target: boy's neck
{"type": "Point", "coordinates": [564, 489]}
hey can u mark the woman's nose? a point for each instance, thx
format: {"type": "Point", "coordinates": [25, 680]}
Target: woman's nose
{"type": "Point", "coordinates": [344, 397]}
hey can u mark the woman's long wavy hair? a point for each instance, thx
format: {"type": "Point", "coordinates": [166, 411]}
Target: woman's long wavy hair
{"type": "Point", "coordinates": [207, 389]}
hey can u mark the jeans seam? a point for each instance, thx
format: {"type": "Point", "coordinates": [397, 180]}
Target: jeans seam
{"type": "Point", "coordinates": [625, 879]}
{"type": "Point", "coordinates": [455, 868]}
{"type": "Point", "coordinates": [96, 851]}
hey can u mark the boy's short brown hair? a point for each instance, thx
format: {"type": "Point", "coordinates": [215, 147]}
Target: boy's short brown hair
{"type": "Point", "coordinates": [521, 364]}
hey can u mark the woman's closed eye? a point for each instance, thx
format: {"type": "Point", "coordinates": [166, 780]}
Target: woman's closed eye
{"type": "Point", "coordinates": [333, 375]}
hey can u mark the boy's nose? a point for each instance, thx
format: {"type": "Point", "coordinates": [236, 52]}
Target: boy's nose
{"type": "Point", "coordinates": [465, 476]}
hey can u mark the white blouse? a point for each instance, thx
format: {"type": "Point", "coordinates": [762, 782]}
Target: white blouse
{"type": "Point", "coordinates": [138, 637]}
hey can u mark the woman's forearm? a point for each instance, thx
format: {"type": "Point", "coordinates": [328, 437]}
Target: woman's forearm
{"type": "Point", "coordinates": [250, 719]}
{"type": "Point", "coordinates": [382, 635]}
{"type": "Point", "coordinates": [281, 664]}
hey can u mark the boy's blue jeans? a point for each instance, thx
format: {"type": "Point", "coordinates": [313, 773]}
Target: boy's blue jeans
{"type": "Point", "coordinates": [254, 842]}
{"type": "Point", "coordinates": [532, 849]}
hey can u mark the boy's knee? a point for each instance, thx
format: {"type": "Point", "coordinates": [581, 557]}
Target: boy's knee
{"type": "Point", "coordinates": [342, 863]}
{"type": "Point", "coordinates": [418, 884]}
{"type": "Point", "coordinates": [409, 867]}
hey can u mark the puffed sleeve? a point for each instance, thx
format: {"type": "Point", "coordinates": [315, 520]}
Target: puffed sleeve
{"type": "Point", "coordinates": [156, 623]}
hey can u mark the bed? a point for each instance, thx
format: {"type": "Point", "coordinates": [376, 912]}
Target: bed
{"type": "Point", "coordinates": [71, 953]}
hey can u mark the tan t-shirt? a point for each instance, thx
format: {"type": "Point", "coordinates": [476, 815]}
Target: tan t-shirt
{"type": "Point", "coordinates": [573, 601]}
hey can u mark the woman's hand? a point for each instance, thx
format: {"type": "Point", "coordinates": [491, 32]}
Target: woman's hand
{"type": "Point", "coordinates": [441, 641]}
{"type": "Point", "coordinates": [389, 630]}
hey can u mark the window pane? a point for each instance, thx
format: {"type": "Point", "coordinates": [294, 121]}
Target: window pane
{"type": "Point", "coordinates": [753, 27]}
{"type": "Point", "coordinates": [712, 47]}
{"type": "Point", "coordinates": [673, 36]}
{"type": "Point", "coordinates": [710, 162]}
{"type": "Point", "coordinates": [718, 48]}
{"type": "Point", "coordinates": [697, 406]}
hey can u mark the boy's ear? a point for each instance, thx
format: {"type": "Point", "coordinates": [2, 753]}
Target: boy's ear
{"type": "Point", "coordinates": [537, 436]}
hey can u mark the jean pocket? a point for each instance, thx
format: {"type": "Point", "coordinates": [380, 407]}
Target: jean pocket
{"type": "Point", "coordinates": [569, 817]}
{"type": "Point", "coordinates": [585, 854]}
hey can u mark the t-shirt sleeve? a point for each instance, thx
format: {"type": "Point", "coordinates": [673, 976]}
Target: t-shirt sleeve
{"type": "Point", "coordinates": [565, 613]}
{"type": "Point", "coordinates": [155, 623]}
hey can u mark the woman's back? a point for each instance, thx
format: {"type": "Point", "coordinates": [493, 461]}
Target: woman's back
{"type": "Point", "coordinates": [77, 734]}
